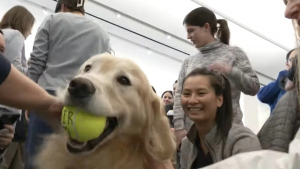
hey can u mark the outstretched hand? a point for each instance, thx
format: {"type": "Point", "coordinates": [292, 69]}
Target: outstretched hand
{"type": "Point", "coordinates": [52, 113]}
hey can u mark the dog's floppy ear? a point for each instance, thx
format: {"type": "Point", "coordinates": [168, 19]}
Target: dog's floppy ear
{"type": "Point", "coordinates": [161, 143]}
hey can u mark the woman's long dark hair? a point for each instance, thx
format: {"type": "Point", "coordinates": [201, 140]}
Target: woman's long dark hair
{"type": "Point", "coordinates": [201, 16]}
{"type": "Point", "coordinates": [221, 86]}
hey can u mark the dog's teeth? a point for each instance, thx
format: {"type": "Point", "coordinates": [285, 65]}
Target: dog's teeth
{"type": "Point", "coordinates": [75, 144]}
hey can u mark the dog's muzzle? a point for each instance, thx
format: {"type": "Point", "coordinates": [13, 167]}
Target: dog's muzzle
{"type": "Point", "coordinates": [80, 88]}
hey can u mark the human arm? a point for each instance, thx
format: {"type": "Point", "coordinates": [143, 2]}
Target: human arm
{"type": "Point", "coordinates": [178, 120]}
{"type": "Point", "coordinates": [278, 130]}
{"type": "Point", "coordinates": [14, 51]}
{"type": "Point", "coordinates": [268, 93]}
{"type": "Point", "coordinates": [240, 72]}
{"type": "Point", "coordinates": [243, 75]}
{"type": "Point", "coordinates": [39, 55]}
{"type": "Point", "coordinates": [28, 95]}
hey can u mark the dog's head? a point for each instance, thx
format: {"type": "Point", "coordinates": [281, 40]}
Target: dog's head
{"type": "Point", "coordinates": [118, 89]}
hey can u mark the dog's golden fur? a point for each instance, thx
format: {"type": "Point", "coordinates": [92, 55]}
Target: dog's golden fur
{"type": "Point", "coordinates": [143, 128]}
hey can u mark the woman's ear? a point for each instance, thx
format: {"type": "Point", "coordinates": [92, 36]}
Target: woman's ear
{"type": "Point", "coordinates": [220, 100]}
{"type": "Point", "coordinates": [161, 145]}
{"type": "Point", "coordinates": [207, 27]}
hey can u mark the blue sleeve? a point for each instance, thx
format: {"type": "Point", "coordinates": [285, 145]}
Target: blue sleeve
{"type": "Point", "coordinates": [268, 93]}
{"type": "Point", "coordinates": [5, 67]}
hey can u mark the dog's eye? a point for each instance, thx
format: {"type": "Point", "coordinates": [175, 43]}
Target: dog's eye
{"type": "Point", "coordinates": [87, 68]}
{"type": "Point", "coordinates": [124, 81]}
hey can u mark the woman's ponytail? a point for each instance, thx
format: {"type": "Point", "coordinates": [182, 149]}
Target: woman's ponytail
{"type": "Point", "coordinates": [223, 32]}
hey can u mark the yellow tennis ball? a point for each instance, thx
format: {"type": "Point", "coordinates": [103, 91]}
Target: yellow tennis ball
{"type": "Point", "coordinates": [82, 126]}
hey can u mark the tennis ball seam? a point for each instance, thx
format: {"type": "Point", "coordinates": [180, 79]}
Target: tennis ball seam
{"type": "Point", "coordinates": [73, 125]}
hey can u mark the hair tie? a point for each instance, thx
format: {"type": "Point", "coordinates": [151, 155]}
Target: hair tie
{"type": "Point", "coordinates": [80, 3]}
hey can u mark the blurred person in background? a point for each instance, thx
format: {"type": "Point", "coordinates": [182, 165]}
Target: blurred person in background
{"type": "Point", "coordinates": [167, 97]}
{"type": "Point", "coordinates": [64, 41]}
{"type": "Point", "coordinates": [16, 25]}
{"type": "Point", "coordinates": [168, 100]}
{"type": "Point", "coordinates": [175, 86]}
{"type": "Point", "coordinates": [211, 37]}
{"type": "Point", "coordinates": [271, 93]}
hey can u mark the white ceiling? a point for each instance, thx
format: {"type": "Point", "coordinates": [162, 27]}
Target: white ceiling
{"type": "Point", "coordinates": [265, 17]}
{"type": "Point", "coordinates": [156, 19]}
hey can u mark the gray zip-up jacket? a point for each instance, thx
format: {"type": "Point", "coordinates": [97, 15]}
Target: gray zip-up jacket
{"type": "Point", "coordinates": [242, 78]}
{"type": "Point", "coordinates": [63, 42]}
{"type": "Point", "coordinates": [240, 139]}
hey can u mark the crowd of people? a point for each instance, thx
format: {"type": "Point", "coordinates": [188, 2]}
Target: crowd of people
{"type": "Point", "coordinates": [203, 107]}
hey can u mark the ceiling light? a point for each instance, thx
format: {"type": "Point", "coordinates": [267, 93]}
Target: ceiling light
{"type": "Point", "coordinates": [149, 51]}
{"type": "Point", "coordinates": [169, 36]}
{"type": "Point", "coordinates": [45, 11]}
{"type": "Point", "coordinates": [118, 14]}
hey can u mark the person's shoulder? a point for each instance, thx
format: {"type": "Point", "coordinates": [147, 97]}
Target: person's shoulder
{"type": "Point", "coordinates": [239, 131]}
{"type": "Point", "coordinates": [289, 99]}
{"type": "Point", "coordinates": [233, 49]}
{"type": "Point", "coordinates": [64, 16]}
{"type": "Point", "coordinates": [10, 34]}
{"type": "Point", "coordinates": [242, 139]}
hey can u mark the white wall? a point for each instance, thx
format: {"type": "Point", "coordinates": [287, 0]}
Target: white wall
{"type": "Point", "coordinates": [255, 112]}
{"type": "Point", "coordinates": [161, 65]}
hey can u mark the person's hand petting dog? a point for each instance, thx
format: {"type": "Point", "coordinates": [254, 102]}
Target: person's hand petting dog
{"type": "Point", "coordinates": [6, 136]}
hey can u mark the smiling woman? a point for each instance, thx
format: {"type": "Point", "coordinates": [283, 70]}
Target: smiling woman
{"type": "Point", "coordinates": [206, 100]}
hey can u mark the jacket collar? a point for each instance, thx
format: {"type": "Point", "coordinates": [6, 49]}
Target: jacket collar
{"type": "Point", "coordinates": [212, 138]}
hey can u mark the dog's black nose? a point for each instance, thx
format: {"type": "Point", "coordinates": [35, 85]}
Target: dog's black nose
{"type": "Point", "coordinates": [81, 88]}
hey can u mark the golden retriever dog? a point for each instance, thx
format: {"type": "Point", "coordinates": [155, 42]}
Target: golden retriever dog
{"type": "Point", "coordinates": [137, 126]}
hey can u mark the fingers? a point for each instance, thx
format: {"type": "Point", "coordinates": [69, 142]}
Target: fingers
{"type": "Point", "coordinates": [27, 115]}
{"type": "Point", "coordinates": [10, 128]}
{"type": "Point", "coordinates": [289, 85]}
{"type": "Point", "coordinates": [5, 141]}
{"type": "Point", "coordinates": [173, 130]}
{"type": "Point", "coordinates": [6, 135]}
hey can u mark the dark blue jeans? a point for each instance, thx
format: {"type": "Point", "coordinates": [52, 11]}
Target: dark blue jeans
{"type": "Point", "coordinates": [37, 129]}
